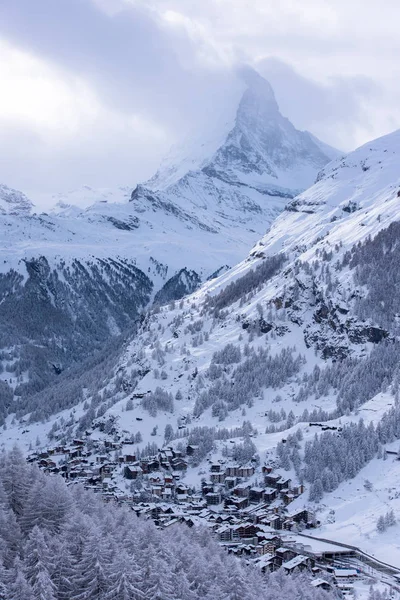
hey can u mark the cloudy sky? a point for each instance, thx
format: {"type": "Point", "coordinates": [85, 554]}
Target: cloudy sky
{"type": "Point", "coordinates": [95, 91]}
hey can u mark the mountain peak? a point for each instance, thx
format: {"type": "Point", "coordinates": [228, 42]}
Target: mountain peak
{"type": "Point", "coordinates": [14, 202]}
{"type": "Point", "coordinates": [255, 146]}
{"type": "Point", "coordinates": [259, 92]}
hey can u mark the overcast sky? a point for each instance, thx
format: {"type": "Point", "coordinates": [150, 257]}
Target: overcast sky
{"type": "Point", "coordinates": [95, 91]}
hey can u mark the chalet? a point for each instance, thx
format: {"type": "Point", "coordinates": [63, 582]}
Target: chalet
{"type": "Point", "coordinates": [152, 465]}
{"type": "Point", "coordinates": [166, 509]}
{"type": "Point", "coordinates": [268, 542]}
{"type": "Point", "coordinates": [132, 472]}
{"type": "Point", "coordinates": [321, 584]}
{"type": "Point", "coordinates": [271, 479]}
{"type": "Point", "coordinates": [270, 494]}
{"type": "Point", "coordinates": [243, 549]}
{"type": "Point", "coordinates": [275, 522]}
{"type": "Point", "coordinates": [178, 464]}
{"type": "Point", "coordinates": [231, 470]}
{"type": "Point", "coordinates": [223, 519]}
{"type": "Point", "coordinates": [101, 458]}
{"type": "Point", "coordinates": [266, 469]}
{"type": "Point", "coordinates": [165, 456]}
{"type": "Point", "coordinates": [128, 458]}
{"type": "Point", "coordinates": [213, 498]}
{"type": "Point", "coordinates": [166, 493]}
{"type": "Point", "coordinates": [345, 574]}
{"type": "Point", "coordinates": [246, 471]}
{"type": "Point", "coordinates": [284, 483]}
{"type": "Point", "coordinates": [181, 492]}
{"type": "Point", "coordinates": [216, 468]}
{"type": "Point", "coordinates": [299, 562]}
{"type": "Point", "coordinates": [177, 453]}
{"type": "Point", "coordinates": [287, 497]}
{"type": "Point", "coordinates": [106, 471]}
{"type": "Point", "coordinates": [246, 530]}
{"type": "Point", "coordinates": [266, 563]}
{"type": "Point", "coordinates": [242, 490]}
{"type": "Point", "coordinates": [256, 494]}
{"type": "Point", "coordinates": [128, 453]}
{"type": "Point", "coordinates": [217, 477]}
{"type": "Point", "coordinates": [157, 490]}
{"type": "Point", "coordinates": [238, 503]}
{"type": "Point", "coordinates": [75, 452]}
{"type": "Point", "coordinates": [53, 470]}
{"type": "Point", "coordinates": [263, 546]}
{"type": "Point", "coordinates": [191, 449]}
{"type": "Point", "coordinates": [298, 489]}
{"type": "Point", "coordinates": [206, 487]}
{"type": "Point", "coordinates": [78, 442]}
{"type": "Point", "coordinates": [75, 473]}
{"type": "Point", "coordinates": [224, 533]}
{"type": "Point", "coordinates": [156, 478]}
{"type": "Point", "coordinates": [230, 482]}
{"type": "Point", "coordinates": [111, 445]}
{"type": "Point", "coordinates": [285, 554]}
{"type": "Point", "coordinates": [300, 516]}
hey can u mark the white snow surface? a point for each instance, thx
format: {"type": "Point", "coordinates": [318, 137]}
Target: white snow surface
{"type": "Point", "coordinates": [354, 197]}
{"type": "Point", "coordinates": [369, 178]}
{"type": "Point", "coordinates": [203, 210]}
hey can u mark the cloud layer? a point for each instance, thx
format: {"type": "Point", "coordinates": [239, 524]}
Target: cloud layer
{"type": "Point", "coordinates": [95, 91]}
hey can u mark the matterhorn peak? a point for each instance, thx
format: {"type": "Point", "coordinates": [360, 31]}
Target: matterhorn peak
{"type": "Point", "coordinates": [258, 90]}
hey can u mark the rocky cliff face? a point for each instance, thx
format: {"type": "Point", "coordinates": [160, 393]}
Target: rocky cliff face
{"type": "Point", "coordinates": [13, 202]}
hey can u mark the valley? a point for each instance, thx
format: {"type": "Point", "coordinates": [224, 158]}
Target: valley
{"type": "Point", "coordinates": [258, 399]}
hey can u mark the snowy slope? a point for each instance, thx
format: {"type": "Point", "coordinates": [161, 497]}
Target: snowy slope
{"type": "Point", "coordinates": [219, 193]}
{"type": "Point", "coordinates": [306, 306]}
{"type": "Point", "coordinates": [316, 222]}
{"type": "Point", "coordinates": [241, 176]}
{"type": "Point", "coordinates": [13, 202]}
{"type": "Point", "coordinates": [214, 205]}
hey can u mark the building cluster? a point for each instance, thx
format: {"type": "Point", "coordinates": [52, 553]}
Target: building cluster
{"type": "Point", "coordinates": [247, 517]}
{"type": "Point", "coordinates": [245, 534]}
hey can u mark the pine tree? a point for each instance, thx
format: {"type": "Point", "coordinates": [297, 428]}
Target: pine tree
{"type": "Point", "coordinates": [390, 519]}
{"type": "Point", "coordinates": [63, 572]}
{"type": "Point", "coordinates": [17, 478]}
{"type": "Point", "coordinates": [125, 580]}
{"type": "Point", "coordinates": [38, 565]}
{"type": "Point", "coordinates": [381, 525]}
{"type": "Point", "coordinates": [90, 580]}
{"type": "Point", "coordinates": [4, 580]}
{"type": "Point", "coordinates": [316, 491]}
{"type": "Point", "coordinates": [19, 588]}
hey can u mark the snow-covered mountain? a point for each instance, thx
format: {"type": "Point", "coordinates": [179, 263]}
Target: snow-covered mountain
{"type": "Point", "coordinates": [304, 330]}
{"type": "Point", "coordinates": [103, 264]}
{"type": "Point", "coordinates": [242, 177]}
{"type": "Point", "coordinates": [13, 202]}
{"type": "Point", "coordinates": [310, 282]}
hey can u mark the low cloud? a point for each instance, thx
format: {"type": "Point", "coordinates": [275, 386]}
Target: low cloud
{"type": "Point", "coordinates": [96, 91]}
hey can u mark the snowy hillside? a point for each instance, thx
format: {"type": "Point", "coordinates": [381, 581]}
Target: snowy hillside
{"type": "Point", "coordinates": [13, 202]}
{"type": "Point", "coordinates": [240, 178]}
{"type": "Point", "coordinates": [93, 270]}
{"type": "Point", "coordinates": [302, 331]}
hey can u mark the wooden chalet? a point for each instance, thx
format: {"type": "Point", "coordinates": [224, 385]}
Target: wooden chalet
{"type": "Point", "coordinates": [256, 494]}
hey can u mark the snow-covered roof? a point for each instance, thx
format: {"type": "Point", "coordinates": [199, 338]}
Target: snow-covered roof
{"type": "Point", "coordinates": [294, 562]}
